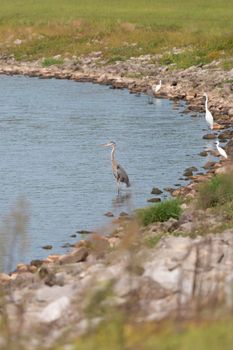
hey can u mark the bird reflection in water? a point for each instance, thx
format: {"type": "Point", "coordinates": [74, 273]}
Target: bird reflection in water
{"type": "Point", "coordinates": [123, 202]}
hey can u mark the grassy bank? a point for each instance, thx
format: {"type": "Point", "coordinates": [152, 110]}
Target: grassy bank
{"type": "Point", "coordinates": [152, 337]}
{"type": "Point", "coordinates": [119, 29]}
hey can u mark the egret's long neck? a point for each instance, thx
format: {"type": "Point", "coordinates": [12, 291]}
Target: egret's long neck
{"type": "Point", "coordinates": [113, 154]}
{"type": "Point", "coordinates": [206, 101]}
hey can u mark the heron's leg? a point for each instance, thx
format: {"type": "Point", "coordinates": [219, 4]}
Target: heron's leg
{"type": "Point", "coordinates": [118, 187]}
{"type": "Point", "coordinates": [150, 100]}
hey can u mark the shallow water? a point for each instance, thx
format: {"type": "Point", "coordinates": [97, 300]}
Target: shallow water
{"type": "Point", "coordinates": [49, 150]}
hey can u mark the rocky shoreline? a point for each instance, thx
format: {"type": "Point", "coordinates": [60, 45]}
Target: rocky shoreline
{"type": "Point", "coordinates": [189, 267]}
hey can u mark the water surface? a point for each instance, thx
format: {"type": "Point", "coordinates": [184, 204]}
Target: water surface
{"type": "Point", "coordinates": [50, 154]}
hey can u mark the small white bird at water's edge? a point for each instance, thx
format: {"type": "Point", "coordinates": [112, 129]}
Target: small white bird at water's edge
{"type": "Point", "coordinates": [156, 87]}
{"type": "Point", "coordinates": [208, 115]}
{"type": "Point", "coordinates": [221, 151]}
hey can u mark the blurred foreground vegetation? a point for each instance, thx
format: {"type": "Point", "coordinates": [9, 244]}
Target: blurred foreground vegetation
{"type": "Point", "coordinates": [120, 29]}
{"type": "Point", "coordinates": [193, 336]}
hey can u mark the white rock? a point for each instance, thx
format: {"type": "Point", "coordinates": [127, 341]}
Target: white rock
{"type": "Point", "coordinates": [48, 294]}
{"type": "Point", "coordinates": [158, 271]}
{"type": "Point", "coordinates": [54, 310]}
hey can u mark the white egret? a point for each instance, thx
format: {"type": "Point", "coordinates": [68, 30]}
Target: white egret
{"type": "Point", "coordinates": [157, 87]}
{"type": "Point", "coordinates": [221, 151]}
{"type": "Point", "coordinates": [118, 171]}
{"type": "Point", "coordinates": [208, 115]}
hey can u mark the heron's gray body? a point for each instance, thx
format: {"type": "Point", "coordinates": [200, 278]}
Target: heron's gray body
{"type": "Point", "coordinates": [118, 171]}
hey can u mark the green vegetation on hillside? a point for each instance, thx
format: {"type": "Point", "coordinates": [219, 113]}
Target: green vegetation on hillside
{"type": "Point", "coordinates": [119, 29]}
{"type": "Point", "coordinates": [217, 191]}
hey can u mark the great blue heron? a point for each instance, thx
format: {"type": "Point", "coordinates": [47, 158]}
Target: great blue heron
{"type": "Point", "coordinates": [208, 116]}
{"type": "Point", "coordinates": [221, 151]}
{"type": "Point", "coordinates": [119, 172]}
{"type": "Point", "coordinates": [157, 87]}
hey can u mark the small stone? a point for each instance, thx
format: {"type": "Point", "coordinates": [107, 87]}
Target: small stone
{"type": "Point", "coordinates": [22, 268]}
{"type": "Point", "coordinates": [76, 256]}
{"type": "Point", "coordinates": [84, 232]}
{"type": "Point", "coordinates": [109, 214]}
{"type": "Point", "coordinates": [191, 168]}
{"type": "Point", "coordinates": [73, 236]}
{"type": "Point", "coordinates": [154, 200]}
{"type": "Point", "coordinates": [36, 262]}
{"type": "Point", "coordinates": [209, 136]}
{"type": "Point", "coordinates": [169, 189]}
{"type": "Point", "coordinates": [209, 165]}
{"type": "Point", "coordinates": [156, 190]}
{"type": "Point", "coordinates": [188, 173]}
{"type": "Point", "coordinates": [228, 134]}
{"type": "Point", "coordinates": [67, 245]}
{"type": "Point", "coordinates": [32, 268]}
{"type": "Point", "coordinates": [123, 213]}
{"type": "Point", "coordinates": [4, 278]}
{"type": "Point", "coordinates": [53, 258]}
{"type": "Point", "coordinates": [171, 225]}
{"type": "Point", "coordinates": [203, 154]}
{"type": "Point", "coordinates": [48, 246]}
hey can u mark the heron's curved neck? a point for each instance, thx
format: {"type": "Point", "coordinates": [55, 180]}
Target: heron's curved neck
{"type": "Point", "coordinates": [113, 153]}
{"type": "Point", "coordinates": [206, 101]}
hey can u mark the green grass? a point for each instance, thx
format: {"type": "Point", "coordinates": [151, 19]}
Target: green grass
{"type": "Point", "coordinates": [120, 29]}
{"type": "Point", "coordinates": [160, 212]}
{"type": "Point", "coordinates": [52, 61]}
{"type": "Point", "coordinates": [227, 64]}
{"type": "Point", "coordinates": [121, 336]}
{"type": "Point", "coordinates": [151, 242]}
{"type": "Point", "coordinates": [216, 192]}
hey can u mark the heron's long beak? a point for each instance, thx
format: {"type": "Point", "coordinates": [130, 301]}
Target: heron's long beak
{"type": "Point", "coordinates": [105, 145]}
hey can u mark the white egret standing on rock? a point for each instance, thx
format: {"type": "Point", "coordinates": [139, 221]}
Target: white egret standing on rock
{"type": "Point", "coordinates": [157, 87]}
{"type": "Point", "coordinates": [221, 151]}
{"type": "Point", "coordinates": [119, 172]}
{"type": "Point", "coordinates": [208, 116]}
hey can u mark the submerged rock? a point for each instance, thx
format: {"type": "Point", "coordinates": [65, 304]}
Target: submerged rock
{"type": "Point", "coordinates": [191, 168]}
{"type": "Point", "coordinates": [154, 200]}
{"type": "Point", "coordinates": [109, 214]}
{"type": "Point", "coordinates": [48, 246]}
{"type": "Point", "coordinates": [156, 190]}
{"type": "Point", "coordinates": [203, 154]}
{"type": "Point", "coordinates": [209, 136]}
{"type": "Point", "coordinates": [123, 213]}
{"type": "Point", "coordinates": [169, 189]}
{"type": "Point", "coordinates": [188, 173]}
{"type": "Point", "coordinates": [84, 232]}
{"type": "Point", "coordinates": [67, 245]}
